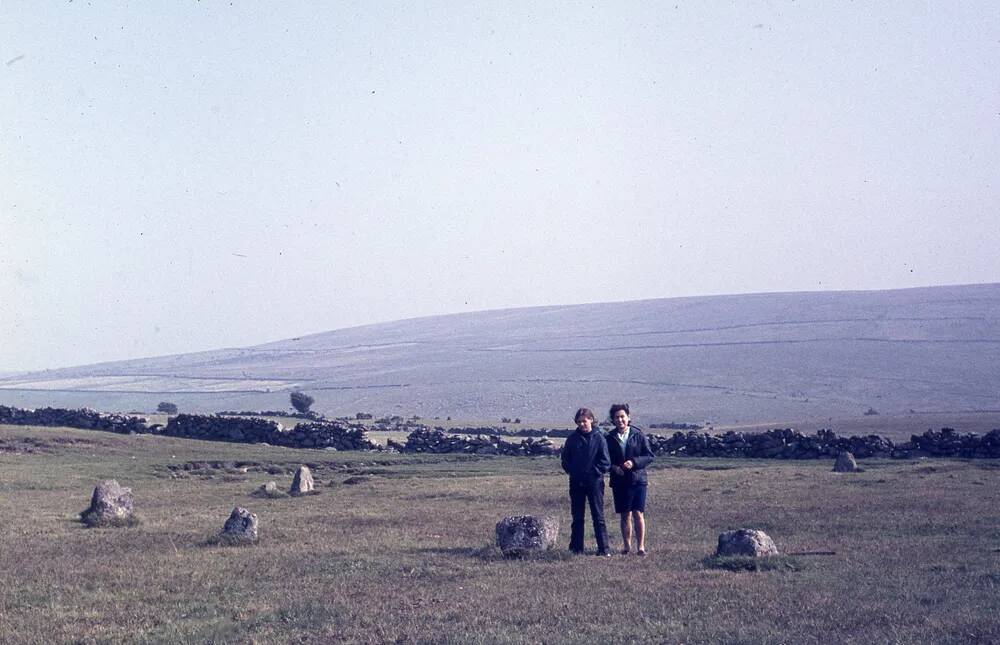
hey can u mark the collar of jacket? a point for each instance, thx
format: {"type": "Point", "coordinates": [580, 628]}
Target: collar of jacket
{"type": "Point", "coordinates": [632, 430]}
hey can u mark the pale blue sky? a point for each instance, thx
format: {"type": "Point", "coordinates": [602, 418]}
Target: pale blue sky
{"type": "Point", "coordinates": [198, 175]}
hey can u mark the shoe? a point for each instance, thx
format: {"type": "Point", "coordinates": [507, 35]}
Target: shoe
{"type": "Point", "coordinates": [625, 551]}
{"type": "Point", "coordinates": [603, 554]}
{"type": "Point", "coordinates": [642, 552]}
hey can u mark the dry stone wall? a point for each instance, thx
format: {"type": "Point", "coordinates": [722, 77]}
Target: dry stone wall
{"type": "Point", "coordinates": [84, 418]}
{"type": "Point", "coordinates": [327, 435]}
{"type": "Point", "coordinates": [252, 430]}
{"type": "Point", "coordinates": [437, 441]}
{"type": "Point", "coordinates": [948, 442]}
{"type": "Point", "coordinates": [825, 444]}
{"type": "Point", "coordinates": [211, 428]}
{"type": "Point", "coordinates": [195, 426]}
{"type": "Point", "coordinates": [773, 444]}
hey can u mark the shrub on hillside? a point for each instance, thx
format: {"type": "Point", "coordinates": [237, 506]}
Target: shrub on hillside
{"type": "Point", "coordinates": [301, 401]}
{"type": "Point", "coordinates": [166, 407]}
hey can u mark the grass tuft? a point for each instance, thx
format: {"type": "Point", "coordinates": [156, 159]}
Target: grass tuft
{"type": "Point", "coordinates": [747, 563]}
{"type": "Point", "coordinates": [492, 553]}
{"type": "Point", "coordinates": [351, 481]}
{"type": "Point", "coordinates": [314, 491]}
{"type": "Point", "coordinates": [94, 521]}
{"type": "Point", "coordinates": [223, 539]}
{"type": "Point", "coordinates": [277, 493]}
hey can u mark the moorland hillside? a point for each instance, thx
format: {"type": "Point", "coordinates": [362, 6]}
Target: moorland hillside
{"type": "Point", "coordinates": [727, 359]}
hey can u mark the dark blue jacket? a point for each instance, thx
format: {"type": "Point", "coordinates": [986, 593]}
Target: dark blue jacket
{"type": "Point", "coordinates": [585, 458]}
{"type": "Point", "coordinates": [638, 450]}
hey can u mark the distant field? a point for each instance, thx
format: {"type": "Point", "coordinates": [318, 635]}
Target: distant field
{"type": "Point", "coordinates": [405, 555]}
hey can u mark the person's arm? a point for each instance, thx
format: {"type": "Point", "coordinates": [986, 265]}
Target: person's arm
{"type": "Point", "coordinates": [602, 461]}
{"type": "Point", "coordinates": [645, 455]}
{"type": "Point", "coordinates": [617, 458]}
{"type": "Point", "coordinates": [564, 455]}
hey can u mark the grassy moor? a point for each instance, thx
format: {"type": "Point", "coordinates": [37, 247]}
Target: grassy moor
{"type": "Point", "coordinates": [399, 548]}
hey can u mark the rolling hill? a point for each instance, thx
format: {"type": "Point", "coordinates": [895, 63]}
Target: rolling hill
{"type": "Point", "coordinates": [726, 359]}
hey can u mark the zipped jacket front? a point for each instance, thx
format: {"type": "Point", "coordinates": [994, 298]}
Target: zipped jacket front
{"type": "Point", "coordinates": [585, 458]}
{"type": "Point", "coordinates": [637, 449]}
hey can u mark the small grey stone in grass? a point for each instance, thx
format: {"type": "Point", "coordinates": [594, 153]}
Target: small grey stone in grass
{"type": "Point", "coordinates": [242, 527]}
{"type": "Point", "coordinates": [302, 483]}
{"type": "Point", "coordinates": [747, 542]}
{"type": "Point", "coordinates": [846, 463]}
{"type": "Point", "coordinates": [270, 491]}
{"type": "Point", "coordinates": [110, 505]}
{"type": "Point", "coordinates": [520, 534]}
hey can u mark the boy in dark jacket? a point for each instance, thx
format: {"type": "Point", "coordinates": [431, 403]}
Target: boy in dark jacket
{"type": "Point", "coordinates": [585, 459]}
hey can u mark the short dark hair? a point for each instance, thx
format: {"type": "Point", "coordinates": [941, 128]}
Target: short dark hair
{"type": "Point", "coordinates": [584, 413]}
{"type": "Point", "coordinates": [618, 407]}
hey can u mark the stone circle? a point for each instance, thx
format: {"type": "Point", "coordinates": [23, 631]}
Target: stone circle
{"type": "Point", "coordinates": [520, 534]}
{"type": "Point", "coordinates": [242, 527]}
{"type": "Point", "coordinates": [302, 483]}
{"type": "Point", "coordinates": [111, 505]}
{"type": "Point", "coordinates": [846, 463]}
{"type": "Point", "coordinates": [746, 542]}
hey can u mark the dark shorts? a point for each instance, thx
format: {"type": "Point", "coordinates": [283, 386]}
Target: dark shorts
{"type": "Point", "coordinates": [630, 498]}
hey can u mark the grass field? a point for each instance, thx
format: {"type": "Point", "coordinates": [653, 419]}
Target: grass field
{"type": "Point", "coordinates": [404, 553]}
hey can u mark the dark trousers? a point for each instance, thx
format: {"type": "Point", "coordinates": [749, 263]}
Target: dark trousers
{"type": "Point", "coordinates": [594, 495]}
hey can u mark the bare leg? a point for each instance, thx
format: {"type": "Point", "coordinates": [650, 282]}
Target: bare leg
{"type": "Point", "coordinates": [640, 530]}
{"type": "Point", "coordinates": [626, 524]}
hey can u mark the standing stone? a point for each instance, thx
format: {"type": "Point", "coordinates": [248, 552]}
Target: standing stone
{"type": "Point", "coordinates": [110, 505]}
{"type": "Point", "coordinates": [302, 483]}
{"type": "Point", "coordinates": [241, 527]}
{"type": "Point", "coordinates": [746, 542]}
{"type": "Point", "coordinates": [522, 533]}
{"type": "Point", "coordinates": [846, 463]}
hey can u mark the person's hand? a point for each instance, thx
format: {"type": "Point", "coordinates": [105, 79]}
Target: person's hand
{"type": "Point", "coordinates": [628, 465]}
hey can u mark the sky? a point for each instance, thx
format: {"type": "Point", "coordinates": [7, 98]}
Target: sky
{"type": "Point", "coordinates": [184, 176]}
